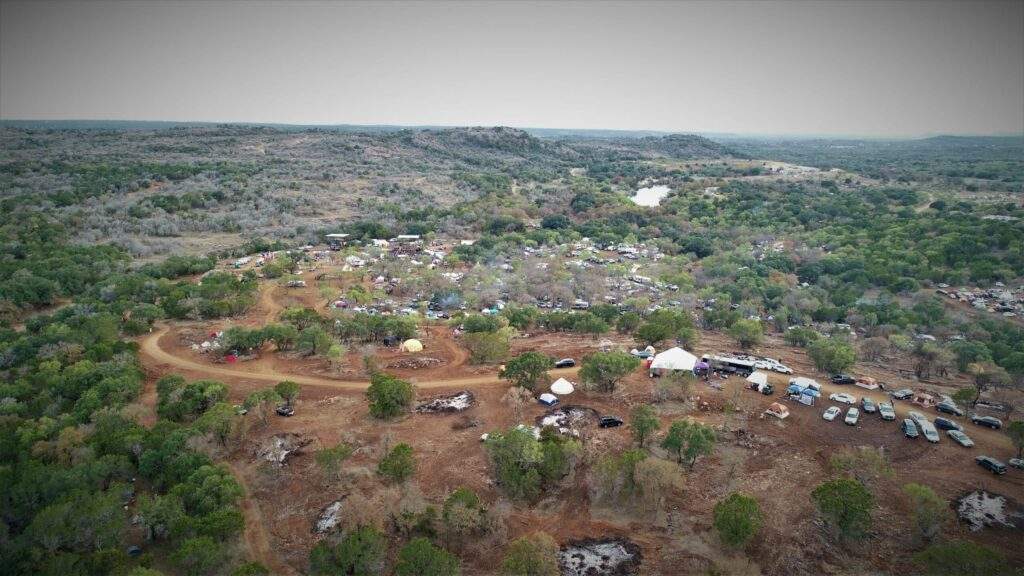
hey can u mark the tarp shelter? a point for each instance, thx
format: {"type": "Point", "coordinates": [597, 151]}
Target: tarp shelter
{"type": "Point", "coordinates": [548, 399]}
{"type": "Point", "coordinates": [412, 345]}
{"type": "Point", "coordinates": [671, 360]}
{"type": "Point", "coordinates": [562, 387]}
{"type": "Point", "coordinates": [759, 378]}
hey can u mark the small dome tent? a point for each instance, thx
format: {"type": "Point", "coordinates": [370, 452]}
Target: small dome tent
{"type": "Point", "coordinates": [412, 345]}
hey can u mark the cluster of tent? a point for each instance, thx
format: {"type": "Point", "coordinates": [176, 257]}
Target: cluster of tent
{"type": "Point", "coordinates": [560, 387]}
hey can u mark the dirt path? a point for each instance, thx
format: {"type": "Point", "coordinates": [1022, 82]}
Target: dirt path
{"type": "Point", "coordinates": [255, 534]}
{"type": "Point", "coordinates": [152, 352]}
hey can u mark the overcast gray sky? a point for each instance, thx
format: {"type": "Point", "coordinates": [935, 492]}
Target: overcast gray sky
{"type": "Point", "coordinates": [867, 68]}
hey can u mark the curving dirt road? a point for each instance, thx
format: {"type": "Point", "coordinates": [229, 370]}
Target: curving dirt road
{"type": "Point", "coordinates": [151, 351]}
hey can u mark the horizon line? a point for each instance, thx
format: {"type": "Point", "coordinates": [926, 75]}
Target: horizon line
{"type": "Point", "coordinates": [646, 131]}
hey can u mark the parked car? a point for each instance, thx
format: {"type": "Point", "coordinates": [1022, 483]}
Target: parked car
{"type": "Point", "coordinates": [868, 405]}
{"type": "Point", "coordinates": [842, 397]}
{"type": "Point", "coordinates": [909, 428]}
{"type": "Point", "coordinates": [991, 464]}
{"type": "Point", "coordinates": [285, 410]}
{"type": "Point", "coordinates": [852, 415]}
{"type": "Point", "coordinates": [831, 413]}
{"type": "Point", "coordinates": [609, 422]}
{"type": "Point", "coordinates": [917, 417]}
{"type": "Point", "coordinates": [843, 379]}
{"type": "Point", "coordinates": [929, 432]}
{"type": "Point", "coordinates": [946, 424]}
{"type": "Point", "coordinates": [960, 438]}
{"type": "Point", "coordinates": [948, 408]}
{"type": "Point", "coordinates": [565, 363]}
{"type": "Point", "coordinates": [1017, 463]}
{"type": "Point", "coordinates": [903, 394]}
{"type": "Point", "coordinates": [991, 422]}
{"type": "Point", "coordinates": [886, 412]}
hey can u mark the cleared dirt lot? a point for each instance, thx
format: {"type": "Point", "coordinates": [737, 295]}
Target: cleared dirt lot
{"type": "Point", "coordinates": [777, 462]}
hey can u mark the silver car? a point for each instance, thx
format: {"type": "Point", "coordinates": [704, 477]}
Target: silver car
{"type": "Point", "coordinates": [960, 438]}
{"type": "Point", "coordinates": [886, 412]}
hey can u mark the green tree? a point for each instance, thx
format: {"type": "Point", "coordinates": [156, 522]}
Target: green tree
{"type": "Point", "coordinates": [800, 336]}
{"type": "Point", "coordinates": [199, 556]}
{"type": "Point", "coordinates": [738, 518]}
{"type": "Point", "coordinates": [523, 464]}
{"type": "Point", "coordinates": [987, 375]}
{"type": "Point", "coordinates": [846, 506]}
{"type": "Point", "coordinates": [218, 420]}
{"type": "Point", "coordinates": [330, 459]}
{"type": "Point", "coordinates": [1015, 430]}
{"type": "Point", "coordinates": [488, 347]}
{"type": "Point", "coordinates": [398, 465]}
{"type": "Point", "coordinates": [928, 509]}
{"type": "Point", "coordinates": [527, 369]}
{"type": "Point", "coordinates": [746, 333]}
{"type": "Point", "coordinates": [362, 552]}
{"type": "Point", "coordinates": [603, 370]}
{"type": "Point", "coordinates": [283, 336]}
{"type": "Point", "coordinates": [961, 558]}
{"type": "Point", "coordinates": [421, 558]}
{"type": "Point", "coordinates": [665, 324]}
{"type": "Point", "coordinates": [535, 554]}
{"type": "Point", "coordinates": [644, 422]}
{"type": "Point", "coordinates": [627, 322]}
{"type": "Point", "coordinates": [388, 395]}
{"type": "Point", "coordinates": [831, 356]}
{"type": "Point", "coordinates": [463, 513]}
{"type": "Point", "coordinates": [314, 340]}
{"type": "Point", "coordinates": [964, 396]}
{"type": "Point", "coordinates": [288, 390]}
{"type": "Point", "coordinates": [262, 401]}
{"type": "Point", "coordinates": [689, 440]}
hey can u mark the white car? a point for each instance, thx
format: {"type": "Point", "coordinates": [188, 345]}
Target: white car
{"type": "Point", "coordinates": [843, 397]}
{"type": "Point", "coordinates": [851, 416]}
{"type": "Point", "coordinates": [831, 413]}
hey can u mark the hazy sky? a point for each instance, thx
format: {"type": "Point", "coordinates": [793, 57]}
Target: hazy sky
{"type": "Point", "coordinates": [870, 68]}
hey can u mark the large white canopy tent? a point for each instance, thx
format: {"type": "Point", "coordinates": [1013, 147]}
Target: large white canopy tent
{"type": "Point", "coordinates": [673, 359]}
{"type": "Point", "coordinates": [562, 387]}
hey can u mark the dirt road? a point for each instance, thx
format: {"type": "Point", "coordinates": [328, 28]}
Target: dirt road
{"type": "Point", "coordinates": [152, 353]}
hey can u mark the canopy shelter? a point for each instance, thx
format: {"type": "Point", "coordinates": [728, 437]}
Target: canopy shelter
{"type": "Point", "coordinates": [548, 399]}
{"type": "Point", "coordinates": [759, 378]}
{"type": "Point", "coordinates": [412, 345]}
{"type": "Point", "coordinates": [671, 360]}
{"type": "Point", "coordinates": [562, 387]}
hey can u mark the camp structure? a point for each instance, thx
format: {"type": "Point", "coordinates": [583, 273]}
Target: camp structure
{"type": "Point", "coordinates": [562, 387]}
{"type": "Point", "coordinates": [548, 399]}
{"type": "Point", "coordinates": [336, 241]}
{"type": "Point", "coordinates": [777, 410]}
{"type": "Point", "coordinates": [759, 381]}
{"type": "Point", "coordinates": [672, 360]}
{"type": "Point", "coordinates": [412, 345]}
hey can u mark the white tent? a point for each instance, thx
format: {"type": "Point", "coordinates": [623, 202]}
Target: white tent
{"type": "Point", "coordinates": [759, 378]}
{"type": "Point", "coordinates": [562, 387]}
{"type": "Point", "coordinates": [673, 359]}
